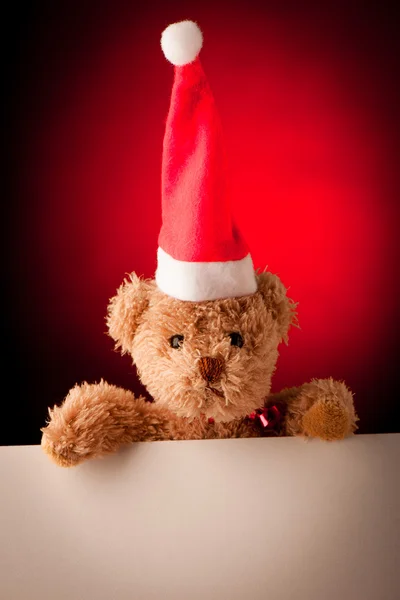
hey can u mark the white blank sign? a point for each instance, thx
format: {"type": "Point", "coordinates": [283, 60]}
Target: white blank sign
{"type": "Point", "coordinates": [273, 519]}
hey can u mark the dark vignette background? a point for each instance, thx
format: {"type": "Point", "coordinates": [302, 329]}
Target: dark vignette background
{"type": "Point", "coordinates": [60, 266]}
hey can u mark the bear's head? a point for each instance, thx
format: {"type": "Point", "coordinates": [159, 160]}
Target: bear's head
{"type": "Point", "coordinates": [214, 358]}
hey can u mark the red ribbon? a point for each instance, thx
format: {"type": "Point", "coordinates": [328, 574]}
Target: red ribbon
{"type": "Point", "coordinates": [267, 417]}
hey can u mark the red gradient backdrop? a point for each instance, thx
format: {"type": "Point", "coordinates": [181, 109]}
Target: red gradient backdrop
{"type": "Point", "coordinates": [308, 102]}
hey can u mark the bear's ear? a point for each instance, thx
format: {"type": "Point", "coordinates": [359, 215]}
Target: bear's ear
{"type": "Point", "coordinates": [282, 308]}
{"type": "Point", "coordinates": [126, 309]}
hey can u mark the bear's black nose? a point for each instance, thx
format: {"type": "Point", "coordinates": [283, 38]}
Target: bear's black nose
{"type": "Point", "coordinates": [211, 368]}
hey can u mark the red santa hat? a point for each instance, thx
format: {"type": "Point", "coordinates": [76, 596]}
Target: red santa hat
{"type": "Point", "coordinates": [201, 254]}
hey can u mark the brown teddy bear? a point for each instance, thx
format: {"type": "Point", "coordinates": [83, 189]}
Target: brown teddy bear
{"type": "Point", "coordinates": [204, 333]}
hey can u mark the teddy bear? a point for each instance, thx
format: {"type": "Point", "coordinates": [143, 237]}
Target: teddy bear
{"type": "Point", "coordinates": [204, 333]}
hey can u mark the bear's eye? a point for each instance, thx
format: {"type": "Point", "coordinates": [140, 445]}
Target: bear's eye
{"type": "Point", "coordinates": [236, 339]}
{"type": "Point", "coordinates": [176, 341]}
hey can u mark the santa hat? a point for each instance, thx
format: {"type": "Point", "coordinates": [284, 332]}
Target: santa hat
{"type": "Point", "coordinates": [201, 254]}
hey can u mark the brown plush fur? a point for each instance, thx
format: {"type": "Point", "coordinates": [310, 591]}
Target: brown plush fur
{"type": "Point", "coordinates": [204, 377]}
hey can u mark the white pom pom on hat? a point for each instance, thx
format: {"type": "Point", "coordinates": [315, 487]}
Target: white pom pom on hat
{"type": "Point", "coordinates": [181, 42]}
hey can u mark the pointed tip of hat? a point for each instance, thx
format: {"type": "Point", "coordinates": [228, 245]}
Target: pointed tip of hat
{"type": "Point", "coordinates": [181, 42]}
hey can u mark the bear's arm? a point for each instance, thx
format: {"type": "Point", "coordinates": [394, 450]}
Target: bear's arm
{"type": "Point", "coordinates": [96, 419]}
{"type": "Point", "coordinates": [323, 408]}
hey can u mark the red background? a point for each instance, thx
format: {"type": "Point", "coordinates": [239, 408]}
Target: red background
{"type": "Point", "coordinates": [309, 103]}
